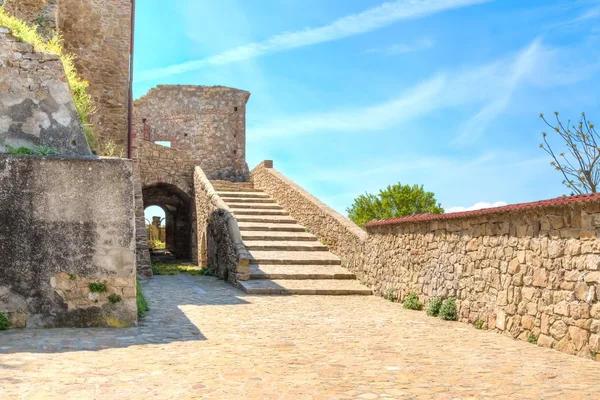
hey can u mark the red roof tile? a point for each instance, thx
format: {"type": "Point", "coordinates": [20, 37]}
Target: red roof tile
{"type": "Point", "coordinates": [583, 198]}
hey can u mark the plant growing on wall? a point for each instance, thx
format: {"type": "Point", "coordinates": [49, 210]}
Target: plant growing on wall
{"type": "Point", "coordinates": [394, 201]}
{"type": "Point", "coordinates": [78, 86]}
{"type": "Point", "coordinates": [580, 163]}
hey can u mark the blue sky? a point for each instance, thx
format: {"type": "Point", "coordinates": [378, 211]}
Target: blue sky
{"type": "Point", "coordinates": [351, 96]}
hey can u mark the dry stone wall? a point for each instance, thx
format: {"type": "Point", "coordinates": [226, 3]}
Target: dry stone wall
{"type": "Point", "coordinates": [209, 122]}
{"type": "Point", "coordinates": [530, 271]}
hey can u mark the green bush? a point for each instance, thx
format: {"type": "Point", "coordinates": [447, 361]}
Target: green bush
{"type": "Point", "coordinates": [448, 309]}
{"type": "Point", "coordinates": [532, 339]}
{"type": "Point", "coordinates": [3, 322]}
{"type": "Point", "coordinates": [434, 306]}
{"type": "Point", "coordinates": [114, 298]}
{"type": "Point", "coordinates": [390, 295]}
{"type": "Point", "coordinates": [411, 302]}
{"type": "Point", "coordinates": [97, 287]}
{"type": "Point", "coordinates": [479, 324]}
{"type": "Point", "coordinates": [142, 304]}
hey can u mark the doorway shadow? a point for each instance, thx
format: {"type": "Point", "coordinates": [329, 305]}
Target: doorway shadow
{"type": "Point", "coordinates": [165, 323]}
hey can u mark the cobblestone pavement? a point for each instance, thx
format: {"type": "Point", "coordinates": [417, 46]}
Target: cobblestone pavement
{"type": "Point", "coordinates": [205, 339]}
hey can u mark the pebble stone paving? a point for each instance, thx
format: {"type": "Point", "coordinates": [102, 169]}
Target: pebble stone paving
{"type": "Point", "coordinates": [204, 339]}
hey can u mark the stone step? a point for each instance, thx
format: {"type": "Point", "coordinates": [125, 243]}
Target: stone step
{"type": "Point", "coordinates": [250, 211]}
{"type": "Point", "coordinates": [273, 219]}
{"type": "Point", "coordinates": [246, 200]}
{"type": "Point", "coordinates": [294, 257]}
{"type": "Point", "coordinates": [274, 235]}
{"type": "Point", "coordinates": [260, 226]}
{"type": "Point", "coordinates": [254, 206]}
{"type": "Point", "coordinates": [304, 287]}
{"type": "Point", "coordinates": [284, 245]}
{"type": "Point", "coordinates": [299, 272]}
{"type": "Point", "coordinates": [245, 195]}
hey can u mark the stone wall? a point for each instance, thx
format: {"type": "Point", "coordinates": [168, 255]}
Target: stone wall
{"type": "Point", "coordinates": [343, 237]}
{"type": "Point", "coordinates": [158, 163]}
{"type": "Point", "coordinates": [66, 223]}
{"type": "Point", "coordinates": [220, 242]}
{"type": "Point", "coordinates": [36, 107]}
{"type": "Point", "coordinates": [98, 34]}
{"type": "Point", "coordinates": [210, 122]}
{"type": "Point", "coordinates": [530, 270]}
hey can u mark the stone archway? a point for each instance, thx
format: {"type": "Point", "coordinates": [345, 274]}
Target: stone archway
{"type": "Point", "coordinates": [180, 217]}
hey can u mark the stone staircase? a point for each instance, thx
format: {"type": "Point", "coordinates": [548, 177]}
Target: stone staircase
{"type": "Point", "coordinates": [286, 258]}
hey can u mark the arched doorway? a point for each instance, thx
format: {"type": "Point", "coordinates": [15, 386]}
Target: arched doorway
{"type": "Point", "coordinates": [179, 217]}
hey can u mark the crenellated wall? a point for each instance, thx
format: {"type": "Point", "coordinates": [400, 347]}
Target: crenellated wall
{"type": "Point", "coordinates": [529, 271]}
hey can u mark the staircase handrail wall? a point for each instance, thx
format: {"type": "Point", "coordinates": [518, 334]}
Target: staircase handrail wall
{"type": "Point", "coordinates": [209, 206]}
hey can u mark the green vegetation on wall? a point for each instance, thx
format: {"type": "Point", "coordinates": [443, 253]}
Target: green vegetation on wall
{"type": "Point", "coordinates": [83, 101]}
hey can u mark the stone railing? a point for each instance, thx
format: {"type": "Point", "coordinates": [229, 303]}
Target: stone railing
{"type": "Point", "coordinates": [344, 238]}
{"type": "Point", "coordinates": [220, 241]}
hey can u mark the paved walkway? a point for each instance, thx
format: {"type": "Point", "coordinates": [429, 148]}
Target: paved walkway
{"type": "Point", "coordinates": [205, 339]}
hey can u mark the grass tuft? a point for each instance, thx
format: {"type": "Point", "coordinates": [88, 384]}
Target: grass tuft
{"type": "Point", "coordinates": [142, 304]}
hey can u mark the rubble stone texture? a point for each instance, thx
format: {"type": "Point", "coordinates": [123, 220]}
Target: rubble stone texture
{"type": "Point", "coordinates": [208, 122]}
{"type": "Point", "coordinates": [36, 107]}
{"type": "Point", "coordinates": [526, 273]}
{"type": "Point", "coordinates": [98, 34]}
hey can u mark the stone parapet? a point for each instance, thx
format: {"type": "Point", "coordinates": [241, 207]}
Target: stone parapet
{"type": "Point", "coordinates": [344, 238]}
{"type": "Point", "coordinates": [219, 239]}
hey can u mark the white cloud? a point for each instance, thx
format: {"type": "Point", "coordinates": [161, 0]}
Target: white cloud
{"type": "Point", "coordinates": [523, 66]}
{"type": "Point", "coordinates": [497, 80]}
{"type": "Point", "coordinates": [350, 25]}
{"type": "Point", "coordinates": [402, 48]}
{"type": "Point", "coordinates": [477, 206]}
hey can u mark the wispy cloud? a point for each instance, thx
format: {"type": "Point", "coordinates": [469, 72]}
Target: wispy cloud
{"type": "Point", "coordinates": [402, 48]}
{"type": "Point", "coordinates": [524, 64]}
{"type": "Point", "coordinates": [474, 85]}
{"type": "Point", "coordinates": [477, 206]}
{"type": "Point", "coordinates": [350, 25]}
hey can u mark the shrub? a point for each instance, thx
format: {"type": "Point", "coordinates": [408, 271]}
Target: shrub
{"type": "Point", "coordinates": [97, 287]}
{"type": "Point", "coordinates": [411, 302]}
{"type": "Point", "coordinates": [448, 309]}
{"type": "Point", "coordinates": [532, 339]}
{"type": "Point", "coordinates": [114, 298]}
{"type": "Point", "coordinates": [433, 309]}
{"type": "Point", "coordinates": [142, 304]}
{"type": "Point", "coordinates": [390, 295]}
{"type": "Point", "coordinates": [3, 322]}
{"type": "Point", "coordinates": [479, 324]}
{"type": "Point", "coordinates": [78, 86]}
